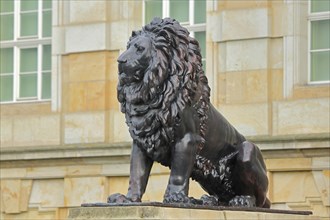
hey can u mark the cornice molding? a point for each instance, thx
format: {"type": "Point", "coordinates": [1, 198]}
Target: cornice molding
{"type": "Point", "coordinates": [271, 146]}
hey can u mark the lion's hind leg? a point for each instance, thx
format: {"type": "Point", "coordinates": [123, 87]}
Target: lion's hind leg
{"type": "Point", "coordinates": [250, 177]}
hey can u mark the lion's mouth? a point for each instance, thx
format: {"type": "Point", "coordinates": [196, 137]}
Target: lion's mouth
{"type": "Point", "coordinates": [126, 79]}
{"type": "Point", "coordinates": [129, 75]}
{"type": "Point", "coordinates": [121, 68]}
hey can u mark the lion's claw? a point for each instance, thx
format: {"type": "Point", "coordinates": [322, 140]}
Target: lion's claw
{"type": "Point", "coordinates": [119, 198]}
{"type": "Point", "coordinates": [177, 197]}
{"type": "Point", "coordinates": [245, 201]}
{"type": "Point", "coordinates": [209, 200]}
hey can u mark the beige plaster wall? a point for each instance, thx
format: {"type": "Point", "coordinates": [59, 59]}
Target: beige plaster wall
{"type": "Point", "coordinates": [76, 149]}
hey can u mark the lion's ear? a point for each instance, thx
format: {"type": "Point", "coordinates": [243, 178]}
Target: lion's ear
{"type": "Point", "coordinates": [134, 33]}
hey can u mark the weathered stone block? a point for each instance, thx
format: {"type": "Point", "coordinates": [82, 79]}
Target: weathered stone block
{"type": "Point", "coordinates": [123, 10]}
{"type": "Point", "coordinates": [25, 192]}
{"type": "Point", "coordinates": [89, 66]}
{"type": "Point", "coordinates": [47, 193]}
{"type": "Point", "coordinates": [237, 4]}
{"type": "Point", "coordinates": [112, 80]}
{"type": "Point", "coordinates": [301, 116]}
{"type": "Point", "coordinates": [276, 90]}
{"type": "Point", "coordinates": [87, 11]}
{"type": "Point", "coordinates": [25, 109]}
{"type": "Point", "coordinates": [154, 212]}
{"type": "Point", "coordinates": [54, 171]}
{"type": "Point", "coordinates": [244, 87]}
{"type": "Point", "coordinates": [90, 82]}
{"type": "Point", "coordinates": [243, 55]}
{"type": "Point", "coordinates": [306, 92]}
{"type": "Point", "coordinates": [6, 134]}
{"type": "Point", "coordinates": [10, 195]}
{"type": "Point", "coordinates": [8, 173]}
{"type": "Point", "coordinates": [84, 189]}
{"type": "Point", "coordinates": [244, 24]}
{"type": "Point", "coordinates": [116, 169]}
{"type": "Point", "coordinates": [31, 214]}
{"type": "Point", "coordinates": [83, 170]}
{"type": "Point", "coordinates": [248, 119]}
{"type": "Point", "coordinates": [75, 97]}
{"type": "Point", "coordinates": [322, 181]}
{"type": "Point", "coordinates": [156, 188]}
{"type": "Point", "coordinates": [118, 130]}
{"type": "Point", "coordinates": [84, 128]}
{"type": "Point", "coordinates": [86, 96]}
{"type": "Point", "coordinates": [111, 95]}
{"type": "Point", "coordinates": [284, 183]}
{"type": "Point", "coordinates": [275, 53]}
{"type": "Point", "coordinates": [78, 37]}
{"type": "Point", "coordinates": [117, 184]}
{"type": "Point", "coordinates": [36, 130]}
{"type": "Point", "coordinates": [287, 164]}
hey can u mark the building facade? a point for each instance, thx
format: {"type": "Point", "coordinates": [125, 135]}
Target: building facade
{"type": "Point", "coordinates": [64, 141]}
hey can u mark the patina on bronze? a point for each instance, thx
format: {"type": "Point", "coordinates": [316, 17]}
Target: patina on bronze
{"type": "Point", "coordinates": [164, 95]}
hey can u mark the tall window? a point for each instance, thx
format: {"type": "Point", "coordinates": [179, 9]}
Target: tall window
{"type": "Point", "coordinates": [190, 13]}
{"type": "Point", "coordinates": [319, 42]}
{"type": "Point", "coordinates": [25, 53]}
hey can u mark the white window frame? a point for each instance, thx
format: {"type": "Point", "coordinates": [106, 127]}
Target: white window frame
{"type": "Point", "coordinates": [190, 25]}
{"type": "Point", "coordinates": [23, 42]}
{"type": "Point", "coordinates": [315, 16]}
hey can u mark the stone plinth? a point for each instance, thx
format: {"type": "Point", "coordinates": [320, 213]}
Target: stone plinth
{"type": "Point", "coordinates": [160, 211]}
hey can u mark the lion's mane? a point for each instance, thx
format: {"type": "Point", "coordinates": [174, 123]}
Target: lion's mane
{"type": "Point", "coordinates": [173, 80]}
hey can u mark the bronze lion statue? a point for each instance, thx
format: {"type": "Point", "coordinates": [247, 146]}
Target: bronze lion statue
{"type": "Point", "coordinates": [164, 95]}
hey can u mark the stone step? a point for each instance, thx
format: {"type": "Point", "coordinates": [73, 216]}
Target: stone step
{"type": "Point", "coordinates": [100, 211]}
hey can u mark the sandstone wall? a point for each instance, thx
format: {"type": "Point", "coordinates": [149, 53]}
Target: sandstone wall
{"type": "Point", "coordinates": [75, 149]}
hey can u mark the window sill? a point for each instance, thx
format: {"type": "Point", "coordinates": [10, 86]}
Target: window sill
{"type": "Point", "coordinates": [25, 101]}
{"type": "Point", "coordinates": [25, 108]}
{"type": "Point", "coordinates": [319, 83]}
{"type": "Point", "coordinates": [314, 90]}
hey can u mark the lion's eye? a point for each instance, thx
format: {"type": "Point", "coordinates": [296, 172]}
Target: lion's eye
{"type": "Point", "coordinates": [139, 48]}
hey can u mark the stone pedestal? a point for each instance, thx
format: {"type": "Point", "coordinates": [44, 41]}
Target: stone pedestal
{"type": "Point", "coordinates": [160, 211]}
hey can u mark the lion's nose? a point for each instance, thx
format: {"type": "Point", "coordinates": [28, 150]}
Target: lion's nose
{"type": "Point", "coordinates": [121, 59]}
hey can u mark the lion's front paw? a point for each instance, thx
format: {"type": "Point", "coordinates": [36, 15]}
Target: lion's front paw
{"type": "Point", "coordinates": [210, 200]}
{"type": "Point", "coordinates": [119, 198]}
{"type": "Point", "coordinates": [245, 201]}
{"type": "Point", "coordinates": [176, 197]}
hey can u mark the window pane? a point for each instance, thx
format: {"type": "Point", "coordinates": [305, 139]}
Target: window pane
{"type": "Point", "coordinates": [29, 24]}
{"type": "Point", "coordinates": [320, 70]}
{"type": "Point", "coordinates": [46, 57]}
{"type": "Point", "coordinates": [7, 27]}
{"type": "Point", "coordinates": [7, 60]}
{"type": "Point", "coordinates": [320, 5]}
{"type": "Point", "coordinates": [7, 6]}
{"type": "Point", "coordinates": [46, 23]}
{"type": "Point", "coordinates": [46, 4]}
{"type": "Point", "coordinates": [201, 38]}
{"type": "Point", "coordinates": [204, 65]}
{"type": "Point", "coordinates": [320, 34]}
{"type": "Point", "coordinates": [6, 88]}
{"type": "Point", "coordinates": [29, 60]}
{"type": "Point", "coordinates": [179, 10]}
{"type": "Point", "coordinates": [153, 8]}
{"type": "Point", "coordinates": [200, 11]}
{"type": "Point", "coordinates": [46, 85]}
{"type": "Point", "coordinates": [27, 5]}
{"type": "Point", "coordinates": [28, 85]}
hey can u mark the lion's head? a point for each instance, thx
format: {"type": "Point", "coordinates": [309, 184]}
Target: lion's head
{"type": "Point", "coordinates": [160, 74]}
